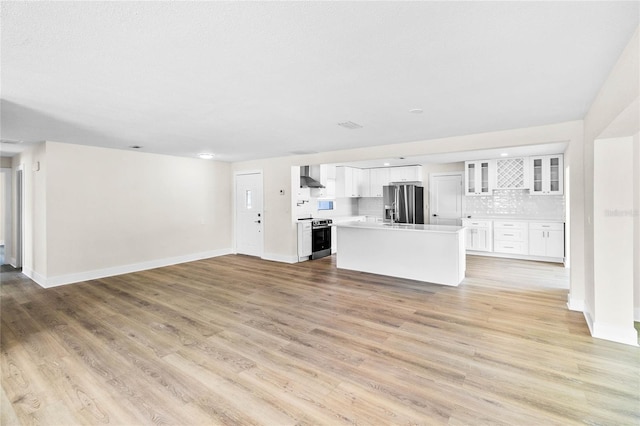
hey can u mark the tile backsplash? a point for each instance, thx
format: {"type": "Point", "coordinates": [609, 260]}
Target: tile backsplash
{"type": "Point", "coordinates": [341, 207]}
{"type": "Point", "coordinates": [369, 206]}
{"type": "Point", "coordinates": [516, 202]}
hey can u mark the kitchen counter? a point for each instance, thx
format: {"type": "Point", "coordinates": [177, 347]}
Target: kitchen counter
{"type": "Point", "coordinates": [515, 218]}
{"type": "Point", "coordinates": [402, 227]}
{"type": "Point", "coordinates": [428, 253]}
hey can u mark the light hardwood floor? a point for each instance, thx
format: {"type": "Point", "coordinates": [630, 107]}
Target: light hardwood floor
{"type": "Point", "coordinates": [237, 340]}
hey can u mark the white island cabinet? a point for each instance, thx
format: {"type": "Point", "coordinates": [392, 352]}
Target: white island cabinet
{"type": "Point", "coordinates": [429, 253]}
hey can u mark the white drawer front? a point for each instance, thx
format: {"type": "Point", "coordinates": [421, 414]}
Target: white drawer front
{"type": "Point", "coordinates": [546, 226]}
{"type": "Point", "coordinates": [514, 247]}
{"type": "Point", "coordinates": [477, 223]}
{"type": "Point", "coordinates": [510, 234]}
{"type": "Point", "coordinates": [510, 225]}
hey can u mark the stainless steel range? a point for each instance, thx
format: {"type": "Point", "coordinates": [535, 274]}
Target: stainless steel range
{"type": "Point", "coordinates": [320, 238]}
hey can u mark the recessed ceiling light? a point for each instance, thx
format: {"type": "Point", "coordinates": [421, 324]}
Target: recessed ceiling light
{"type": "Point", "coordinates": [206, 156]}
{"type": "Point", "coordinates": [387, 164]}
{"type": "Point", "coordinates": [416, 111]}
{"type": "Point", "coordinates": [504, 154]}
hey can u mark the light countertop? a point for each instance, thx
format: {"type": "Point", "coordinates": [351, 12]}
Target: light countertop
{"type": "Point", "coordinates": [401, 227]}
{"type": "Point", "coordinates": [514, 218]}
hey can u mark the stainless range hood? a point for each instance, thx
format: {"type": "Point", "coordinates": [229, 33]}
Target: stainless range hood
{"type": "Point", "coordinates": [306, 181]}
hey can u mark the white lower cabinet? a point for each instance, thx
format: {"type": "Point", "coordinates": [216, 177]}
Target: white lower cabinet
{"type": "Point", "coordinates": [478, 235]}
{"type": "Point", "coordinates": [510, 237]}
{"type": "Point", "coordinates": [304, 240]}
{"type": "Point", "coordinates": [546, 239]}
{"type": "Point", "coordinates": [519, 239]}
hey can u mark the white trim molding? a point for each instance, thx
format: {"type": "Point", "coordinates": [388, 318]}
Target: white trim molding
{"type": "Point", "coordinates": [636, 314]}
{"type": "Point", "coordinates": [626, 335]}
{"type": "Point", "coordinates": [575, 304]}
{"type": "Point", "coordinates": [39, 279]}
{"type": "Point", "coordinates": [280, 258]}
{"type": "Point", "coordinates": [124, 269]}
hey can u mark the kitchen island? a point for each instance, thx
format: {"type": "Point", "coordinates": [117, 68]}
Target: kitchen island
{"type": "Point", "coordinates": [429, 253]}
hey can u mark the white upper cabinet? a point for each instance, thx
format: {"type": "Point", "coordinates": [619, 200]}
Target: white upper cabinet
{"type": "Point", "coordinates": [365, 186]}
{"type": "Point", "coordinates": [546, 175]}
{"type": "Point", "coordinates": [353, 182]}
{"type": "Point", "coordinates": [348, 182]}
{"type": "Point", "coordinates": [405, 174]}
{"type": "Point", "coordinates": [378, 178]}
{"type": "Point", "coordinates": [512, 173]}
{"type": "Point", "coordinates": [479, 177]}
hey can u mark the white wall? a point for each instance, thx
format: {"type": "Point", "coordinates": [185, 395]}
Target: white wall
{"type": "Point", "coordinates": [6, 194]}
{"type": "Point", "coordinates": [574, 160]}
{"type": "Point", "coordinates": [619, 91]}
{"type": "Point", "coordinates": [3, 207]}
{"type": "Point", "coordinates": [612, 316]}
{"type": "Point", "coordinates": [34, 263]}
{"type": "Point", "coordinates": [636, 225]}
{"type": "Point", "coordinates": [114, 211]}
{"type": "Point", "coordinates": [280, 234]}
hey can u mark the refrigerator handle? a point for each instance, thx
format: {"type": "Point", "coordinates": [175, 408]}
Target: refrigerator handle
{"type": "Point", "coordinates": [413, 216]}
{"type": "Point", "coordinates": [407, 213]}
{"type": "Point", "coordinates": [396, 203]}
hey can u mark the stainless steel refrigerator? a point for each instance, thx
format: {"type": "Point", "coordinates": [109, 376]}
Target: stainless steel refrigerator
{"type": "Point", "coordinates": [403, 203]}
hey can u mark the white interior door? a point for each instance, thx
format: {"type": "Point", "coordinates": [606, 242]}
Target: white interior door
{"type": "Point", "coordinates": [445, 199]}
{"type": "Point", "coordinates": [249, 214]}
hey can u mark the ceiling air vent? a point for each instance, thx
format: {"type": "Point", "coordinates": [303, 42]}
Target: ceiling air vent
{"type": "Point", "coordinates": [350, 125]}
{"type": "Point", "coordinates": [10, 141]}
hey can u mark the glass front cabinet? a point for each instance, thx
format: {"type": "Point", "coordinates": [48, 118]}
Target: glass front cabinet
{"type": "Point", "coordinates": [478, 177]}
{"type": "Point", "coordinates": [546, 175]}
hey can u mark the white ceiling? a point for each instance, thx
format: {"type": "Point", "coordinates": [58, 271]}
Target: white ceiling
{"type": "Point", "coordinates": [250, 80]}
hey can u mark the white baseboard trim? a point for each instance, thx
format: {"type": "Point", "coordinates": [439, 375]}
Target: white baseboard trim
{"type": "Point", "coordinates": [575, 304]}
{"type": "Point", "coordinates": [125, 269]}
{"type": "Point", "coordinates": [34, 276]}
{"type": "Point", "coordinates": [626, 335]}
{"type": "Point", "coordinates": [517, 256]}
{"type": "Point", "coordinates": [587, 317]}
{"type": "Point", "coordinates": [636, 314]}
{"type": "Point", "coordinates": [280, 258]}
